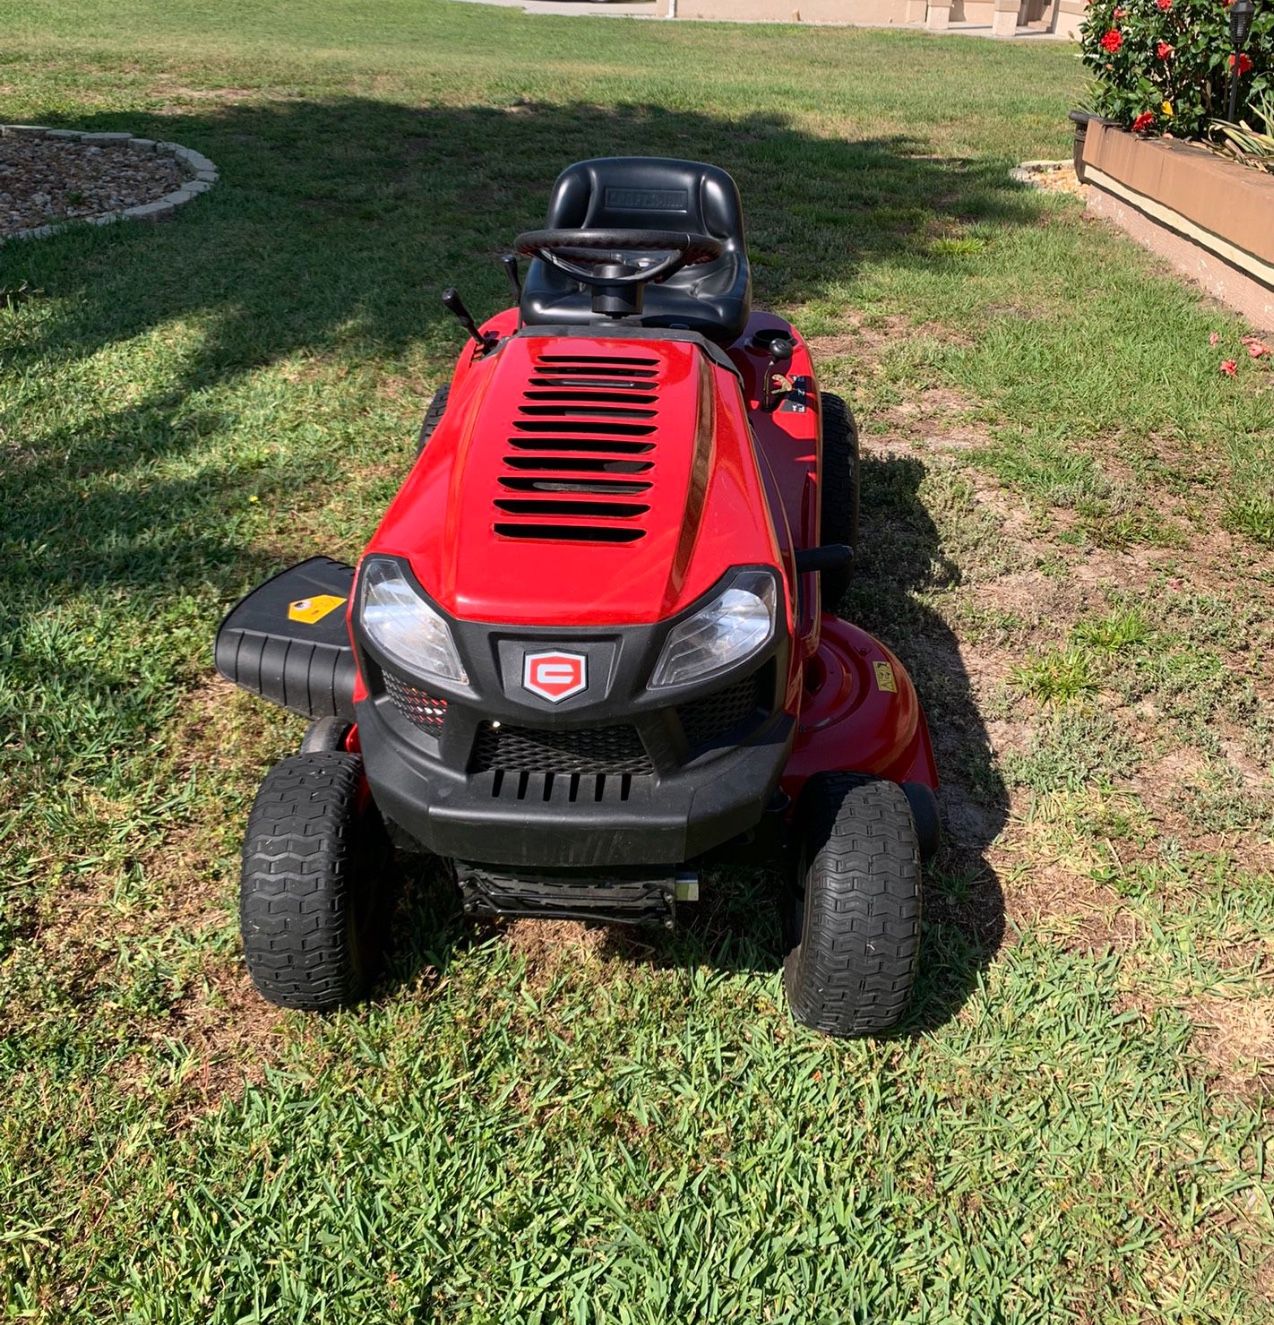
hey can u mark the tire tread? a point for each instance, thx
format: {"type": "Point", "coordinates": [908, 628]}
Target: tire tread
{"type": "Point", "coordinates": [852, 970]}
{"type": "Point", "coordinates": [839, 486]}
{"type": "Point", "coordinates": [301, 859]}
{"type": "Point", "coordinates": [433, 416]}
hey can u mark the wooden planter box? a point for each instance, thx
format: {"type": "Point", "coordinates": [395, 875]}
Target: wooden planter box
{"type": "Point", "coordinates": [1212, 218]}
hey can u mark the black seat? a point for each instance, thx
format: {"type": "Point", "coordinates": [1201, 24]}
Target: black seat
{"type": "Point", "coordinates": [651, 193]}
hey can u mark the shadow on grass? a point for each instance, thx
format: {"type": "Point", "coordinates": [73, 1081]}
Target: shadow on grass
{"type": "Point", "coordinates": [333, 229]}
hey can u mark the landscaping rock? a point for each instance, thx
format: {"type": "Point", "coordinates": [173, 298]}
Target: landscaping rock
{"type": "Point", "coordinates": [53, 175]}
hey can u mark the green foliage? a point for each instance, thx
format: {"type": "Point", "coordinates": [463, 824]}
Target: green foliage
{"type": "Point", "coordinates": [1164, 65]}
{"type": "Point", "coordinates": [1119, 630]}
{"type": "Point", "coordinates": [1058, 677]}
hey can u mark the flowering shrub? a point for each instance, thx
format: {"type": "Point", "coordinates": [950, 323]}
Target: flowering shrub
{"type": "Point", "coordinates": [1164, 65]}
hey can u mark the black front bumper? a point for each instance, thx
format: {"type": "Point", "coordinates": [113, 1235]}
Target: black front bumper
{"type": "Point", "coordinates": [615, 776]}
{"type": "Point", "coordinates": [546, 820]}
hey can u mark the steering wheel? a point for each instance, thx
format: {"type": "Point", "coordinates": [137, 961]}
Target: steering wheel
{"type": "Point", "coordinates": [600, 257]}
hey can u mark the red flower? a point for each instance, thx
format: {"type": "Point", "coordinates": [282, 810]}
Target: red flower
{"type": "Point", "coordinates": [1143, 121]}
{"type": "Point", "coordinates": [1213, 337]}
{"type": "Point", "coordinates": [1112, 41]}
{"type": "Point", "coordinates": [1245, 63]}
{"type": "Point", "coordinates": [1229, 367]}
{"type": "Point", "coordinates": [1165, 5]}
{"type": "Point", "coordinates": [1256, 347]}
{"type": "Point", "coordinates": [1119, 13]}
{"type": "Point", "coordinates": [1165, 51]}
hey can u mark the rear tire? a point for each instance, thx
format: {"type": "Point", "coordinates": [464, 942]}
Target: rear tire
{"type": "Point", "coordinates": [312, 891]}
{"type": "Point", "coordinates": [433, 416]}
{"type": "Point", "coordinates": [852, 917]}
{"type": "Point", "coordinates": [839, 487]}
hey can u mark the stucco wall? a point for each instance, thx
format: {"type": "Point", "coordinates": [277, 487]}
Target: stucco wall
{"type": "Point", "coordinates": [804, 11]}
{"type": "Point", "coordinates": [1065, 14]}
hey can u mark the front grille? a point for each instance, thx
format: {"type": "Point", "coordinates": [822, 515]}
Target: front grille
{"type": "Point", "coordinates": [583, 419]}
{"type": "Point", "coordinates": [424, 710]}
{"type": "Point", "coordinates": [715, 716]}
{"type": "Point", "coordinates": [588, 750]}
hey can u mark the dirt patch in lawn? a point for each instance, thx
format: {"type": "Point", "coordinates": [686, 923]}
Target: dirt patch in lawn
{"type": "Point", "coordinates": [548, 945]}
{"type": "Point", "coordinates": [1235, 1037]}
{"type": "Point", "coordinates": [870, 338]}
{"type": "Point", "coordinates": [230, 1035]}
{"type": "Point", "coordinates": [1069, 910]}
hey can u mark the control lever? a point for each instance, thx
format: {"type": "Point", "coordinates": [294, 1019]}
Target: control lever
{"type": "Point", "coordinates": [452, 302]}
{"type": "Point", "coordinates": [510, 262]}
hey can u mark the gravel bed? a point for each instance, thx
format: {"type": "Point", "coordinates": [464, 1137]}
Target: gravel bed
{"type": "Point", "coordinates": [45, 180]}
{"type": "Point", "coordinates": [1050, 176]}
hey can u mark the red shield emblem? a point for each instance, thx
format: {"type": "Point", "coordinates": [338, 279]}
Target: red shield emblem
{"type": "Point", "coordinates": [555, 676]}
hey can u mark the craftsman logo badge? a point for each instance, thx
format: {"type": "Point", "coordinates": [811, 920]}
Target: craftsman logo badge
{"type": "Point", "coordinates": [555, 676]}
{"type": "Point", "coordinates": [313, 610]}
{"type": "Point", "coordinates": [648, 200]}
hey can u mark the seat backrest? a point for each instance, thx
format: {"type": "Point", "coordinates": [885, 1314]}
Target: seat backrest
{"type": "Point", "coordinates": [648, 193]}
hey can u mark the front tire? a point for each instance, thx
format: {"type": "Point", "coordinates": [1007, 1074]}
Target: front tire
{"type": "Point", "coordinates": [852, 916]}
{"type": "Point", "coordinates": [313, 883]}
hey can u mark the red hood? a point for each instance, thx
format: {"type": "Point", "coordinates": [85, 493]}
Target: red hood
{"type": "Point", "coordinates": [576, 481]}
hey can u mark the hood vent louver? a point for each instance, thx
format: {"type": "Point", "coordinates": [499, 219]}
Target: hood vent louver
{"type": "Point", "coordinates": [580, 457]}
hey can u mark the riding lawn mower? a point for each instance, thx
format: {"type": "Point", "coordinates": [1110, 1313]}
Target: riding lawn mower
{"type": "Point", "coordinates": [593, 646]}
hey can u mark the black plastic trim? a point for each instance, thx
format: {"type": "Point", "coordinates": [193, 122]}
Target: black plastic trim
{"type": "Point", "coordinates": [308, 668]}
{"type": "Point", "coordinates": [692, 800]}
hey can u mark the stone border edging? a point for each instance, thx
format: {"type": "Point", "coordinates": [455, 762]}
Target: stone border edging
{"type": "Point", "coordinates": [203, 175]}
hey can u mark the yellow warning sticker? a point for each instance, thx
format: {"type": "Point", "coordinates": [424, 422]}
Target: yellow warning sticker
{"type": "Point", "coordinates": [312, 610]}
{"type": "Point", "coordinates": [885, 678]}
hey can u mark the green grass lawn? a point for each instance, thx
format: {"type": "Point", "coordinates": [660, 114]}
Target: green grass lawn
{"type": "Point", "coordinates": [1070, 541]}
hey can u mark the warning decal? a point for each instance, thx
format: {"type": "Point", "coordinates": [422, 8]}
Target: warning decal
{"type": "Point", "coordinates": [312, 610]}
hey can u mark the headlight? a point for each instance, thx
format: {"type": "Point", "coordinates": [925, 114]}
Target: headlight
{"type": "Point", "coordinates": [736, 624]}
{"type": "Point", "coordinates": [400, 623]}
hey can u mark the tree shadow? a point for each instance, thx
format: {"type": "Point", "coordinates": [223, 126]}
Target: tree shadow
{"type": "Point", "coordinates": [332, 230]}
{"type": "Point", "coordinates": [334, 227]}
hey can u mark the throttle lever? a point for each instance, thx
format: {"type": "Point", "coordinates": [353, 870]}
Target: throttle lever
{"type": "Point", "coordinates": [452, 302]}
